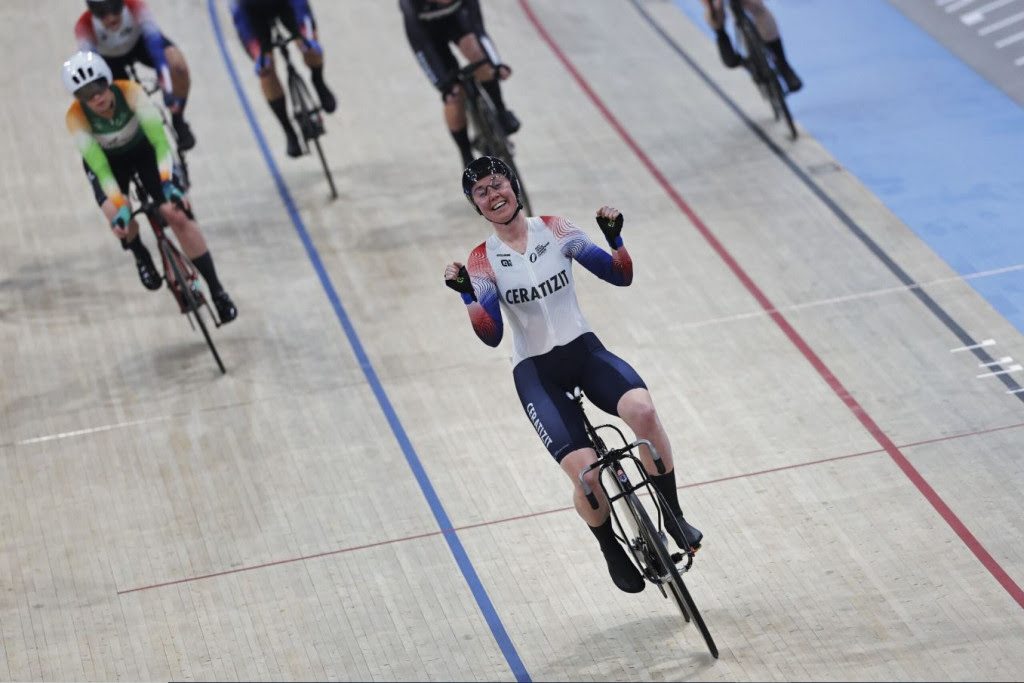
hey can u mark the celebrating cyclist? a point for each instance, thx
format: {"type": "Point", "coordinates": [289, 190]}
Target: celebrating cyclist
{"type": "Point", "coordinates": [254, 20]}
{"type": "Point", "coordinates": [430, 26]}
{"type": "Point", "coordinates": [523, 273]}
{"type": "Point", "coordinates": [124, 32]}
{"type": "Point", "coordinates": [766, 26]}
{"type": "Point", "coordinates": [119, 133]}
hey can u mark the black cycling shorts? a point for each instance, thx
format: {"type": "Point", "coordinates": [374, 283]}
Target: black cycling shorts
{"type": "Point", "coordinates": [138, 54]}
{"type": "Point", "coordinates": [140, 159]}
{"type": "Point", "coordinates": [263, 13]}
{"type": "Point", "coordinates": [543, 382]}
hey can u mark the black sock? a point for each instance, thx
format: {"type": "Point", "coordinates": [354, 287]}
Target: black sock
{"type": "Point", "coordinates": [461, 138]}
{"type": "Point", "coordinates": [280, 110]}
{"type": "Point", "coordinates": [493, 88]}
{"type": "Point", "coordinates": [605, 535]}
{"type": "Point", "coordinates": [776, 48]}
{"type": "Point", "coordinates": [137, 247]}
{"type": "Point", "coordinates": [317, 73]}
{"type": "Point", "coordinates": [179, 117]}
{"type": "Point", "coordinates": [666, 486]}
{"type": "Point", "coordinates": [725, 49]}
{"type": "Point", "coordinates": [204, 264]}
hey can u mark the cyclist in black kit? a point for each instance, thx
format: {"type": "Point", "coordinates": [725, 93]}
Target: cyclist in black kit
{"type": "Point", "coordinates": [430, 26]}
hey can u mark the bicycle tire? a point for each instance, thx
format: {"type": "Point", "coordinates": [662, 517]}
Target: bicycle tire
{"type": "Point", "coordinates": [494, 140]}
{"type": "Point", "coordinates": [764, 73]}
{"type": "Point", "coordinates": [191, 304]}
{"type": "Point", "coordinates": [310, 120]}
{"type": "Point", "coordinates": [683, 599]}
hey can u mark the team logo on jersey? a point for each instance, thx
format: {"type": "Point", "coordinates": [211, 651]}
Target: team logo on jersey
{"type": "Point", "coordinates": [506, 262]}
{"type": "Point", "coordinates": [522, 295]}
{"type": "Point", "coordinates": [538, 252]}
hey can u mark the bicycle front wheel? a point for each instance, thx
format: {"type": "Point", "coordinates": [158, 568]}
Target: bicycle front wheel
{"type": "Point", "coordinates": [309, 116]}
{"type": "Point", "coordinates": [764, 74]}
{"type": "Point", "coordinates": [669, 573]}
{"type": "Point", "coordinates": [192, 305]}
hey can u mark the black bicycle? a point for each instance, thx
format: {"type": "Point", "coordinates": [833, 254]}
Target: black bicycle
{"type": "Point", "coordinates": [487, 135]}
{"type": "Point", "coordinates": [642, 533]}
{"type": "Point", "coordinates": [306, 109]}
{"type": "Point", "coordinates": [151, 86]}
{"type": "Point", "coordinates": [179, 273]}
{"type": "Point", "coordinates": [760, 62]}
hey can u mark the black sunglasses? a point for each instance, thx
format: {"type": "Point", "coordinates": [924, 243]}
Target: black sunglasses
{"type": "Point", "coordinates": [91, 90]}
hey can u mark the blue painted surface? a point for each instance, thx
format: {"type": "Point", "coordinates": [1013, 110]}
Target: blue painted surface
{"type": "Point", "coordinates": [426, 486]}
{"type": "Point", "coordinates": [941, 146]}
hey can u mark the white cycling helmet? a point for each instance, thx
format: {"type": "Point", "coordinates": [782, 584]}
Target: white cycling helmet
{"type": "Point", "coordinates": [85, 67]}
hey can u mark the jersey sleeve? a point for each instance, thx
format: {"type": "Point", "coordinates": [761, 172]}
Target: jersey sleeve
{"type": "Point", "coordinates": [616, 268]}
{"type": "Point", "coordinates": [485, 312]}
{"type": "Point", "coordinates": [95, 157]}
{"type": "Point", "coordinates": [153, 39]}
{"type": "Point", "coordinates": [85, 34]}
{"type": "Point", "coordinates": [152, 125]}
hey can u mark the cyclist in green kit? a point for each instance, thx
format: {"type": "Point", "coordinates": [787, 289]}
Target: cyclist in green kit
{"type": "Point", "coordinates": [119, 133]}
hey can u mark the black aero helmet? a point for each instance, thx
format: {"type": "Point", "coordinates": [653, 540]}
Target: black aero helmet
{"type": "Point", "coordinates": [482, 167]}
{"type": "Point", "coordinates": [100, 8]}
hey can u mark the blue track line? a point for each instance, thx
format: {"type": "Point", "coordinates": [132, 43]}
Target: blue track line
{"type": "Point", "coordinates": [454, 544]}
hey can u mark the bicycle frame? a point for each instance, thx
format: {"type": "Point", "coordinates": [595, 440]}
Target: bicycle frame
{"type": "Point", "coordinates": [615, 461]}
{"type": "Point", "coordinates": [307, 110]}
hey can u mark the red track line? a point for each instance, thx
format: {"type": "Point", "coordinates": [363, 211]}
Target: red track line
{"type": "Point", "coordinates": [833, 382]}
{"type": "Point", "coordinates": [532, 515]}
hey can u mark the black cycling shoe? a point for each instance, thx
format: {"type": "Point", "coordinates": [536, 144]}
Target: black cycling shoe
{"type": "Point", "coordinates": [186, 140]}
{"type": "Point", "coordinates": [294, 148]}
{"type": "Point", "coordinates": [793, 82]}
{"type": "Point", "coordinates": [327, 101]}
{"type": "Point", "coordinates": [225, 307]}
{"type": "Point", "coordinates": [683, 533]}
{"type": "Point", "coordinates": [151, 279]}
{"type": "Point", "coordinates": [624, 573]}
{"type": "Point", "coordinates": [508, 121]}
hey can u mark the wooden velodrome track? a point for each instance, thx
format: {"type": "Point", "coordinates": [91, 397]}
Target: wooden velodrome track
{"type": "Point", "coordinates": [360, 497]}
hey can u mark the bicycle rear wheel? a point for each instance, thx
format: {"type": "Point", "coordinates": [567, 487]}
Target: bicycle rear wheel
{"type": "Point", "coordinates": [309, 116]}
{"type": "Point", "coordinates": [669, 573]}
{"type": "Point", "coordinates": [192, 305]}
{"type": "Point", "coordinates": [492, 141]}
{"type": "Point", "coordinates": [763, 71]}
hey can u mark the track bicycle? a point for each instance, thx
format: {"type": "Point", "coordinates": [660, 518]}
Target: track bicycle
{"type": "Point", "coordinates": [487, 136]}
{"type": "Point", "coordinates": [760, 62]}
{"type": "Point", "coordinates": [642, 534]}
{"type": "Point", "coordinates": [179, 273]}
{"type": "Point", "coordinates": [151, 86]}
{"type": "Point", "coordinates": [306, 109]}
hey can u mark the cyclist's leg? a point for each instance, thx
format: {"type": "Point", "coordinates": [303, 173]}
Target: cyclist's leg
{"type": "Point", "coordinates": [615, 387]}
{"type": "Point", "coordinates": [556, 420]}
{"type": "Point", "coordinates": [181, 85]}
{"type": "Point", "coordinates": [129, 238]}
{"type": "Point", "coordinates": [429, 43]}
{"type": "Point", "coordinates": [714, 14]}
{"type": "Point", "coordinates": [312, 54]}
{"type": "Point", "coordinates": [259, 22]}
{"type": "Point", "coordinates": [768, 28]}
{"type": "Point", "coordinates": [476, 45]}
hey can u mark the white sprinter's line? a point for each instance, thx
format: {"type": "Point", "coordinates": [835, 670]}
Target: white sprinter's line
{"type": "Point", "coordinates": [1002, 23]}
{"type": "Point", "coordinates": [1015, 391]}
{"type": "Point", "coordinates": [977, 15]}
{"type": "Point", "coordinates": [1002, 361]}
{"type": "Point", "coordinates": [1010, 40]}
{"type": "Point", "coordinates": [957, 6]}
{"type": "Point", "coordinates": [1019, 61]}
{"type": "Point", "coordinates": [1007, 371]}
{"type": "Point", "coordinates": [90, 430]}
{"type": "Point", "coordinates": [987, 342]}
